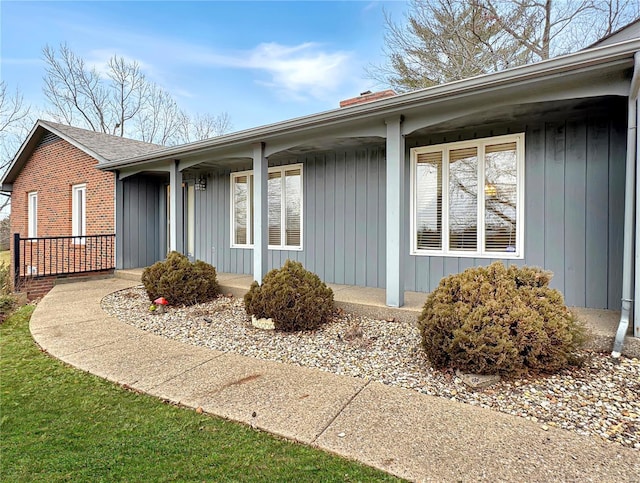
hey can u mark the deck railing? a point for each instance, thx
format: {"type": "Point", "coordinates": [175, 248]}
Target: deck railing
{"type": "Point", "coordinates": [62, 255]}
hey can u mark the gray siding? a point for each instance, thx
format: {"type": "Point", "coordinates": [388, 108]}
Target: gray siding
{"type": "Point", "coordinates": [574, 204]}
{"type": "Point", "coordinates": [343, 221]}
{"type": "Point", "coordinates": [574, 196]}
{"type": "Point", "coordinates": [142, 213]}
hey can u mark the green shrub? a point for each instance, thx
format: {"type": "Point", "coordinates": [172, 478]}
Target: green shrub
{"type": "Point", "coordinates": [293, 297]}
{"type": "Point", "coordinates": [5, 278]}
{"type": "Point", "coordinates": [498, 320]}
{"type": "Point", "coordinates": [7, 306]}
{"type": "Point", "coordinates": [180, 281]}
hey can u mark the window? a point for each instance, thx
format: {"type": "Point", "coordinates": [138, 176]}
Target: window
{"type": "Point", "coordinates": [32, 214]}
{"type": "Point", "coordinates": [467, 198]}
{"type": "Point", "coordinates": [78, 213]}
{"type": "Point", "coordinates": [284, 208]}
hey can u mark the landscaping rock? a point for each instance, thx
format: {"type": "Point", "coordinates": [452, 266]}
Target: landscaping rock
{"type": "Point", "coordinates": [478, 381]}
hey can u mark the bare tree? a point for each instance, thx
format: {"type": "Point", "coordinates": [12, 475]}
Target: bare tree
{"type": "Point", "coordinates": [120, 101]}
{"type": "Point", "coordinates": [160, 117]}
{"type": "Point", "coordinates": [14, 124]}
{"type": "Point", "coordinates": [205, 126]}
{"type": "Point", "coordinates": [446, 40]}
{"type": "Point", "coordinates": [130, 90]}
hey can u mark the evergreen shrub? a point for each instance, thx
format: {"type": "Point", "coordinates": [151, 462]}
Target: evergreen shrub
{"type": "Point", "coordinates": [498, 320]}
{"type": "Point", "coordinates": [180, 281]}
{"type": "Point", "coordinates": [295, 298]}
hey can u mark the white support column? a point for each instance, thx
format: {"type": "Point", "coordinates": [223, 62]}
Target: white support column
{"type": "Point", "coordinates": [260, 213]}
{"type": "Point", "coordinates": [395, 212]}
{"type": "Point", "coordinates": [119, 221]}
{"type": "Point", "coordinates": [175, 208]}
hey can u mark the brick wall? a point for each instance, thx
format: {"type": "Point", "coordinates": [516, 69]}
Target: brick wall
{"type": "Point", "coordinates": [35, 288]}
{"type": "Point", "coordinates": [52, 169]}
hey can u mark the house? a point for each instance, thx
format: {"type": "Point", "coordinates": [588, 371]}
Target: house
{"type": "Point", "coordinates": [532, 165]}
{"type": "Point", "coordinates": [56, 192]}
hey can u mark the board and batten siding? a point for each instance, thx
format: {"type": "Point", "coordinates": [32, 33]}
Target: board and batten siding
{"type": "Point", "coordinates": [141, 213]}
{"type": "Point", "coordinates": [574, 208]}
{"type": "Point", "coordinates": [573, 214]}
{"type": "Point", "coordinates": [343, 219]}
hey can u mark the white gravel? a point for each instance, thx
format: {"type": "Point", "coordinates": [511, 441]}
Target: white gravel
{"type": "Point", "coordinates": [602, 398]}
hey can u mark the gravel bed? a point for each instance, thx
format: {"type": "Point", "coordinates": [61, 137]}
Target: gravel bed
{"type": "Point", "coordinates": [601, 398]}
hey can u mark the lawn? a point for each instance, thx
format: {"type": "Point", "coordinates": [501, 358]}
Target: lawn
{"type": "Point", "coordinates": [60, 424]}
{"type": "Point", "coordinates": [5, 257]}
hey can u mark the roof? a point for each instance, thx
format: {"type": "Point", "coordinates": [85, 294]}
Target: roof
{"type": "Point", "coordinates": [628, 32]}
{"type": "Point", "coordinates": [583, 63]}
{"type": "Point", "coordinates": [103, 147]}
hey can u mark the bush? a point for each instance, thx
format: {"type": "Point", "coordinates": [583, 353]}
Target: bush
{"type": "Point", "coordinates": [497, 320]}
{"type": "Point", "coordinates": [6, 278]}
{"type": "Point", "coordinates": [7, 305]}
{"type": "Point", "coordinates": [293, 297]}
{"type": "Point", "coordinates": [180, 281]}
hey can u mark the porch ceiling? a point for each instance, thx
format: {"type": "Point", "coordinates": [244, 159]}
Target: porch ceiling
{"type": "Point", "coordinates": [520, 113]}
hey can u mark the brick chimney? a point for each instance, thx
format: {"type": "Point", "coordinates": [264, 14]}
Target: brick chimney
{"type": "Point", "coordinates": [367, 96]}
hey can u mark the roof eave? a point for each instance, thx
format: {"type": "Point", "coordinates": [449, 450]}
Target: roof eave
{"type": "Point", "coordinates": [571, 62]}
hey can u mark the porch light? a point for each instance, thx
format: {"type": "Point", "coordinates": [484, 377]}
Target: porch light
{"type": "Point", "coordinates": [201, 183]}
{"type": "Point", "coordinates": [490, 190]}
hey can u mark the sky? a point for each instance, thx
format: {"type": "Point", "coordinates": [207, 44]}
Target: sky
{"type": "Point", "coordinates": [261, 62]}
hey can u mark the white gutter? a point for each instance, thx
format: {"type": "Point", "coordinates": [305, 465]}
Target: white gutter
{"type": "Point", "coordinates": [609, 54]}
{"type": "Point", "coordinates": [629, 212]}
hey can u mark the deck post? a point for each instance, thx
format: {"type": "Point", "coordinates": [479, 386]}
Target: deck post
{"type": "Point", "coordinates": [175, 208]}
{"type": "Point", "coordinates": [260, 213]}
{"type": "Point", "coordinates": [395, 212]}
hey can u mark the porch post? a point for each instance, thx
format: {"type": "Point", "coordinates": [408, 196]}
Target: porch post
{"type": "Point", "coordinates": [175, 208]}
{"type": "Point", "coordinates": [119, 222]}
{"type": "Point", "coordinates": [395, 212]}
{"type": "Point", "coordinates": [260, 214]}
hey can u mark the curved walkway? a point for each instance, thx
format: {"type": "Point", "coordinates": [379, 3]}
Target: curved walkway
{"type": "Point", "coordinates": [418, 437]}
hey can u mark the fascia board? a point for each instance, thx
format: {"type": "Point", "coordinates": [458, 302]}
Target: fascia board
{"type": "Point", "coordinates": [621, 53]}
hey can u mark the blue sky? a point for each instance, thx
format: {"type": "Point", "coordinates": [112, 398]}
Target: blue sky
{"type": "Point", "coordinates": [261, 62]}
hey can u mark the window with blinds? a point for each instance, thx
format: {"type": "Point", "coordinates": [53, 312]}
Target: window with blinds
{"type": "Point", "coordinates": [284, 208]}
{"type": "Point", "coordinates": [467, 198]}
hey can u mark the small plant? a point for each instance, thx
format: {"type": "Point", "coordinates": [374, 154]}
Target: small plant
{"type": "Point", "coordinates": [179, 281]}
{"type": "Point", "coordinates": [7, 306]}
{"type": "Point", "coordinates": [293, 297]}
{"type": "Point", "coordinates": [498, 320]}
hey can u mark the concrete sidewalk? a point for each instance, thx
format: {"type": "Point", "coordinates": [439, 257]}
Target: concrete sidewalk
{"type": "Point", "coordinates": [405, 433]}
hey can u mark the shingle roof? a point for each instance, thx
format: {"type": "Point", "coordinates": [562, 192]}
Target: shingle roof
{"type": "Point", "coordinates": [106, 146]}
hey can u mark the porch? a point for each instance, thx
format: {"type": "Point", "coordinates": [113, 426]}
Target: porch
{"type": "Point", "coordinates": [371, 302]}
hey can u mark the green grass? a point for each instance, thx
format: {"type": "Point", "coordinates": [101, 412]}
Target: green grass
{"type": "Point", "coordinates": [5, 257]}
{"type": "Point", "coordinates": [61, 424]}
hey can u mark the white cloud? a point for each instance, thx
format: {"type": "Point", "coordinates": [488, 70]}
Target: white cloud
{"type": "Point", "coordinates": [298, 72]}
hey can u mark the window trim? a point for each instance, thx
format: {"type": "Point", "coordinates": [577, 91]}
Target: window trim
{"type": "Point", "coordinates": [79, 238]}
{"type": "Point", "coordinates": [32, 214]}
{"type": "Point", "coordinates": [480, 144]}
{"type": "Point", "coordinates": [249, 173]}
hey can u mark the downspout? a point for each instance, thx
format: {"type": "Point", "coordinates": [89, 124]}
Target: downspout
{"type": "Point", "coordinates": [629, 214]}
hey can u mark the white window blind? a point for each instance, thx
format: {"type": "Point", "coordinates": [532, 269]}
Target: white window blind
{"type": "Point", "coordinates": [479, 213]}
{"type": "Point", "coordinates": [429, 200]}
{"type": "Point", "coordinates": [284, 208]}
{"type": "Point", "coordinates": [78, 213]}
{"type": "Point", "coordinates": [32, 214]}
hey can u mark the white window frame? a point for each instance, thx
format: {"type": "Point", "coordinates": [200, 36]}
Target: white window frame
{"type": "Point", "coordinates": [79, 220]}
{"type": "Point", "coordinates": [480, 144]}
{"type": "Point", "coordinates": [282, 170]}
{"type": "Point", "coordinates": [32, 214]}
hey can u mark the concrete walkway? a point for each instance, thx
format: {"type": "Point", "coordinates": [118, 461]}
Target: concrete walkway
{"type": "Point", "coordinates": [414, 436]}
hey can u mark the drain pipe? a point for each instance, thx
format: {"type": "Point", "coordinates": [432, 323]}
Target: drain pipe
{"type": "Point", "coordinates": [629, 215]}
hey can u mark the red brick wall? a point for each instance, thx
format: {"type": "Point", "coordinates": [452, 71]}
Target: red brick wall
{"type": "Point", "coordinates": [52, 169]}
